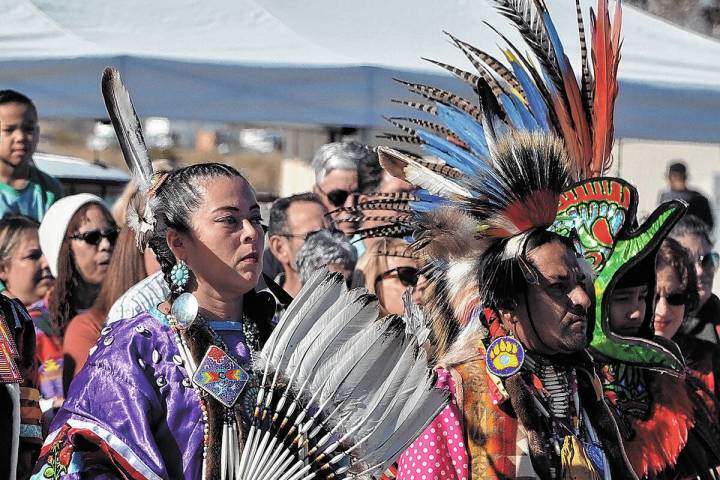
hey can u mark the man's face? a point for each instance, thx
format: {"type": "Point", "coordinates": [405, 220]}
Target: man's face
{"type": "Point", "coordinates": [627, 310]}
{"type": "Point", "coordinates": [555, 318]}
{"type": "Point", "coordinates": [677, 181]}
{"type": "Point", "coordinates": [337, 190]}
{"type": "Point", "coordinates": [19, 133]}
{"type": "Point", "coordinates": [698, 247]}
{"type": "Point", "coordinates": [302, 218]}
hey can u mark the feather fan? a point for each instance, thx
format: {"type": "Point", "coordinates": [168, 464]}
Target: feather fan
{"type": "Point", "coordinates": [335, 392]}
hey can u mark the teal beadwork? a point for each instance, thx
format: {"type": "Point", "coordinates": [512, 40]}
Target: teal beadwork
{"type": "Point", "coordinates": [179, 276]}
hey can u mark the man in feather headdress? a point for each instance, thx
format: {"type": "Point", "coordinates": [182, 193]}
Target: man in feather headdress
{"type": "Point", "coordinates": [511, 313]}
{"type": "Point", "coordinates": [511, 318]}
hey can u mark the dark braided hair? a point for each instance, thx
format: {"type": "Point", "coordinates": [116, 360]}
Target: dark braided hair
{"type": "Point", "coordinates": [175, 201]}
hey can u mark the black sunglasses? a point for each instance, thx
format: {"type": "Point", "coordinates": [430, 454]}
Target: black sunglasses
{"type": "Point", "coordinates": [711, 259]}
{"type": "Point", "coordinates": [94, 237]}
{"type": "Point", "coordinates": [674, 299]}
{"type": "Point", "coordinates": [408, 276]}
{"type": "Point", "coordinates": [337, 197]}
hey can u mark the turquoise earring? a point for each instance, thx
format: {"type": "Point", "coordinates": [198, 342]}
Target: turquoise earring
{"type": "Point", "coordinates": [179, 276]}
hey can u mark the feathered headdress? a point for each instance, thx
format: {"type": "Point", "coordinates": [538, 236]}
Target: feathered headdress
{"type": "Point", "coordinates": [127, 127]}
{"type": "Point", "coordinates": [496, 165]}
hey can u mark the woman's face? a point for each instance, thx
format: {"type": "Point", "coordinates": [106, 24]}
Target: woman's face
{"type": "Point", "coordinates": [27, 276]}
{"type": "Point", "coordinates": [92, 244]}
{"type": "Point", "coordinates": [697, 246]}
{"type": "Point", "coordinates": [669, 302]}
{"type": "Point", "coordinates": [224, 249]}
{"type": "Point", "coordinates": [389, 285]}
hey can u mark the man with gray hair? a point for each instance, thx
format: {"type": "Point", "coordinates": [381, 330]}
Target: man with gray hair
{"type": "Point", "coordinates": [323, 249]}
{"type": "Point", "coordinates": [336, 176]}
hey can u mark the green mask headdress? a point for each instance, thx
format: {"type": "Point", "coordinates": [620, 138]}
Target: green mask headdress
{"type": "Point", "coordinates": [600, 215]}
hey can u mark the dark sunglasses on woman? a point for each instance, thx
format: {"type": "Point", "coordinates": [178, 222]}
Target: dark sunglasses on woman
{"type": "Point", "coordinates": [674, 299]}
{"type": "Point", "coordinates": [408, 276]}
{"type": "Point", "coordinates": [709, 260]}
{"type": "Point", "coordinates": [94, 237]}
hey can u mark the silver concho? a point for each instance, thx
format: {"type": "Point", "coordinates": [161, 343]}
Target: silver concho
{"type": "Point", "coordinates": [185, 309]}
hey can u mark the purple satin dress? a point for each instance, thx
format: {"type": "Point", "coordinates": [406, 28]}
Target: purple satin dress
{"type": "Point", "coordinates": [135, 401]}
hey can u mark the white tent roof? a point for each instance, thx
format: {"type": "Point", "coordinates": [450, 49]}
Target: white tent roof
{"type": "Point", "coordinates": [319, 62]}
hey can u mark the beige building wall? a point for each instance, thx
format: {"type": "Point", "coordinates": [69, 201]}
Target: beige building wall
{"type": "Point", "coordinates": [644, 164]}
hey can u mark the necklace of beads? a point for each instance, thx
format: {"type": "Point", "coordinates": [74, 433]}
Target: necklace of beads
{"type": "Point", "coordinates": [230, 434]}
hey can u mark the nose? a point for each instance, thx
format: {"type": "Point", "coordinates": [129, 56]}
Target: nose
{"type": "Point", "coordinates": [661, 307]}
{"type": "Point", "coordinates": [580, 297]}
{"type": "Point", "coordinates": [249, 232]}
{"type": "Point", "coordinates": [44, 263]}
{"type": "Point", "coordinates": [699, 270]}
{"type": "Point", "coordinates": [419, 290]}
{"type": "Point", "coordinates": [105, 245]}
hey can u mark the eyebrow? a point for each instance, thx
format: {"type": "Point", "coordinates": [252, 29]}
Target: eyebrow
{"type": "Point", "coordinates": [236, 209]}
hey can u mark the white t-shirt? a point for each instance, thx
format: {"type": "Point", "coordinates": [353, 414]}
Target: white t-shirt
{"type": "Point", "coordinates": [147, 293]}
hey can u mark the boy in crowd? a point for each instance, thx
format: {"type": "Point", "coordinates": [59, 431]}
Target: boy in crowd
{"type": "Point", "coordinates": [23, 188]}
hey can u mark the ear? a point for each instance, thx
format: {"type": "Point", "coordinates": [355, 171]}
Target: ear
{"type": "Point", "coordinates": [278, 248]}
{"type": "Point", "coordinates": [3, 272]}
{"type": "Point", "coordinates": [177, 243]}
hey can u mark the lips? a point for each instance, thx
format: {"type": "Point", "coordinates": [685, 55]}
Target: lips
{"type": "Point", "coordinates": [251, 257]}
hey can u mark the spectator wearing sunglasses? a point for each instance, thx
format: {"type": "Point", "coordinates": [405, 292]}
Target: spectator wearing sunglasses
{"type": "Point", "coordinates": [694, 235]}
{"type": "Point", "coordinates": [388, 268]}
{"type": "Point", "coordinates": [676, 294]}
{"type": "Point", "coordinates": [675, 288]}
{"type": "Point", "coordinates": [127, 267]}
{"type": "Point", "coordinates": [77, 236]}
{"type": "Point", "coordinates": [324, 249]}
{"type": "Point", "coordinates": [336, 176]}
{"type": "Point", "coordinates": [291, 220]}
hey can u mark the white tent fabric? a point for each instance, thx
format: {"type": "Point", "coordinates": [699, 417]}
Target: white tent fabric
{"type": "Point", "coordinates": [320, 62]}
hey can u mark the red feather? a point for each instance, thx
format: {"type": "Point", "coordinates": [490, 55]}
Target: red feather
{"type": "Point", "coordinates": [659, 440]}
{"type": "Point", "coordinates": [606, 57]}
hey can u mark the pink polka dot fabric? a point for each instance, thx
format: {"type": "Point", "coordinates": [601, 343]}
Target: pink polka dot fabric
{"type": "Point", "coordinates": [439, 452]}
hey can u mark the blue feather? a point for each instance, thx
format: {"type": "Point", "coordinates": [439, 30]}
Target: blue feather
{"type": "Point", "coordinates": [555, 42]}
{"type": "Point", "coordinates": [465, 127]}
{"type": "Point", "coordinates": [537, 104]}
{"type": "Point", "coordinates": [427, 201]}
{"type": "Point", "coordinates": [528, 119]}
{"type": "Point", "coordinates": [510, 108]}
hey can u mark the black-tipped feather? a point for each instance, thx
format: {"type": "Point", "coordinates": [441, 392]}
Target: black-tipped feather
{"type": "Point", "coordinates": [127, 128]}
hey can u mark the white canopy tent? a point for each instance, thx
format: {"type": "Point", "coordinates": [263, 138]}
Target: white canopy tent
{"type": "Point", "coordinates": [319, 62]}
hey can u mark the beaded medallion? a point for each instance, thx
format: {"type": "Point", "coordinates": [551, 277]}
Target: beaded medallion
{"type": "Point", "coordinates": [220, 376]}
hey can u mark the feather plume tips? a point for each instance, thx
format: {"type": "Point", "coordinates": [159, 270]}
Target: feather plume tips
{"type": "Point", "coordinates": [536, 91]}
{"type": "Point", "coordinates": [128, 129]}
